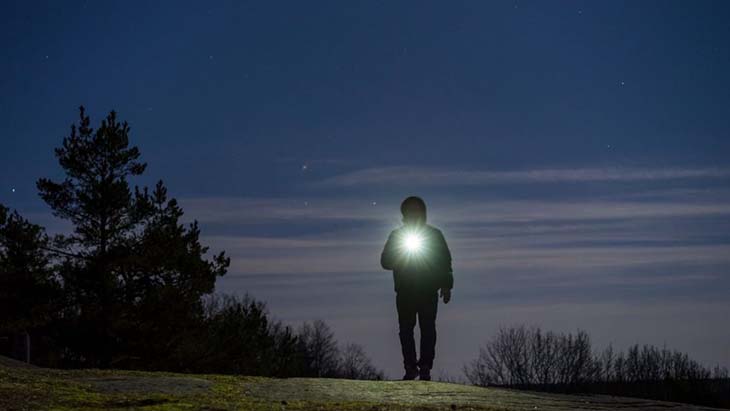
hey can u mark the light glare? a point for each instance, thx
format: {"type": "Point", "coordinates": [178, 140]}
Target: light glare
{"type": "Point", "coordinates": [413, 243]}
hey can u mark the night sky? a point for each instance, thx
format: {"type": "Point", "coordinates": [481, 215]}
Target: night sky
{"type": "Point", "coordinates": [576, 154]}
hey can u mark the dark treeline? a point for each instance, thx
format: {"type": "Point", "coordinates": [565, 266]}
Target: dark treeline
{"type": "Point", "coordinates": [528, 358]}
{"type": "Point", "coordinates": [132, 287]}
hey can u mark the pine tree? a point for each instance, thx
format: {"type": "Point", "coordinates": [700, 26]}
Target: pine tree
{"type": "Point", "coordinates": [129, 266]}
{"type": "Point", "coordinates": [28, 288]}
{"type": "Point", "coordinates": [164, 278]}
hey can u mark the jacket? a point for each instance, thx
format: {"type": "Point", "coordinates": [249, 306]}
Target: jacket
{"type": "Point", "coordinates": [425, 270]}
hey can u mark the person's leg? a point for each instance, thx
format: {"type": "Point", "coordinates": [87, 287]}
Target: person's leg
{"type": "Point", "coordinates": [427, 308]}
{"type": "Point", "coordinates": [406, 321]}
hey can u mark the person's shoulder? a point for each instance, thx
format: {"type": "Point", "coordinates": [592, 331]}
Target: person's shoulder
{"type": "Point", "coordinates": [397, 230]}
{"type": "Point", "coordinates": [434, 229]}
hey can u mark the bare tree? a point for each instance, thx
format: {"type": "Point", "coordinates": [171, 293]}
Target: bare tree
{"type": "Point", "coordinates": [520, 356]}
{"type": "Point", "coordinates": [606, 361]}
{"type": "Point", "coordinates": [320, 348]}
{"type": "Point", "coordinates": [523, 357]}
{"type": "Point", "coordinates": [356, 365]}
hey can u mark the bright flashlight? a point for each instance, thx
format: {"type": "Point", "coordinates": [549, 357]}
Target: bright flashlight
{"type": "Point", "coordinates": [413, 243]}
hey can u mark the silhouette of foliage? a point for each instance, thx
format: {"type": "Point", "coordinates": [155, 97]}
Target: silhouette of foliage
{"type": "Point", "coordinates": [317, 342]}
{"type": "Point", "coordinates": [130, 286]}
{"type": "Point", "coordinates": [521, 357]}
{"type": "Point", "coordinates": [128, 257]}
{"type": "Point", "coordinates": [95, 195]}
{"type": "Point", "coordinates": [28, 288]}
{"type": "Point", "coordinates": [356, 365]}
{"type": "Point", "coordinates": [323, 358]}
{"type": "Point", "coordinates": [237, 337]}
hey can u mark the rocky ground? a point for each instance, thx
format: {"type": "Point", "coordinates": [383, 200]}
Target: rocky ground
{"type": "Point", "coordinates": [30, 388]}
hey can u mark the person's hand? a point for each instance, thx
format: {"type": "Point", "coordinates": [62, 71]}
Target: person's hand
{"type": "Point", "coordinates": [446, 295]}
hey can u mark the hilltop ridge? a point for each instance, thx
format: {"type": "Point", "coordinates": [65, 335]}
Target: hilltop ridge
{"type": "Point", "coordinates": [25, 387]}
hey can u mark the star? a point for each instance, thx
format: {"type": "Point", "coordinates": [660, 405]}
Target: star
{"type": "Point", "coordinates": [306, 203]}
{"type": "Point", "coordinates": [622, 83]}
{"type": "Point", "coordinates": [12, 190]}
{"type": "Point", "coordinates": [374, 203]}
{"type": "Point", "coordinates": [305, 167]}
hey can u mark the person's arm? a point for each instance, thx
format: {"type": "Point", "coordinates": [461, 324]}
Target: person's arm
{"type": "Point", "coordinates": [447, 272]}
{"type": "Point", "coordinates": [389, 256]}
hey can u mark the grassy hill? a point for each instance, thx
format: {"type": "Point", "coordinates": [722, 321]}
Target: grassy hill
{"type": "Point", "coordinates": [30, 388]}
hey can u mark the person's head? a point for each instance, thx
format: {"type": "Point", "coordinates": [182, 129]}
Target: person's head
{"type": "Point", "coordinates": [414, 211]}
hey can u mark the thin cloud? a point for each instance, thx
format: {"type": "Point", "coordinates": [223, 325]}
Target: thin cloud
{"type": "Point", "coordinates": [244, 211]}
{"type": "Point", "coordinates": [266, 210]}
{"type": "Point", "coordinates": [423, 176]}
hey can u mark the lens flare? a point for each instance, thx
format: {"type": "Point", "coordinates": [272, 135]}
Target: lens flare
{"type": "Point", "coordinates": [413, 243]}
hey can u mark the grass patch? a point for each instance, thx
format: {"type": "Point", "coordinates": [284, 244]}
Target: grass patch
{"type": "Point", "coordinates": [23, 388]}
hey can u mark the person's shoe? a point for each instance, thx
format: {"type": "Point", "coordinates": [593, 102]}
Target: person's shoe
{"type": "Point", "coordinates": [424, 374]}
{"type": "Point", "coordinates": [411, 374]}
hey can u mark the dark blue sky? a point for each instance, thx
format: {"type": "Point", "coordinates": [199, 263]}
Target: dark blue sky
{"type": "Point", "coordinates": [576, 153]}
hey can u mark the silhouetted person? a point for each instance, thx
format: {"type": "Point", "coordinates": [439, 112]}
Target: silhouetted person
{"type": "Point", "coordinates": [421, 263]}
